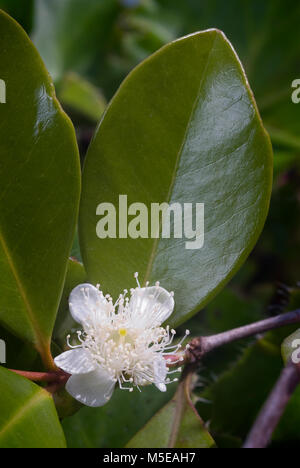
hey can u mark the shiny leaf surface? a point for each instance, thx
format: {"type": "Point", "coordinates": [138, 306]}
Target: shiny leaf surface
{"type": "Point", "coordinates": [39, 191]}
{"type": "Point", "coordinates": [183, 128]}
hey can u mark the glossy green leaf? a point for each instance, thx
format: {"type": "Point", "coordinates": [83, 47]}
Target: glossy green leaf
{"type": "Point", "coordinates": [182, 128]}
{"type": "Point", "coordinates": [39, 191]}
{"type": "Point", "coordinates": [81, 96]}
{"type": "Point", "coordinates": [28, 418]}
{"type": "Point", "coordinates": [176, 425]}
{"type": "Point", "coordinates": [272, 51]}
{"type": "Point", "coordinates": [270, 54]}
{"type": "Point", "coordinates": [115, 423]}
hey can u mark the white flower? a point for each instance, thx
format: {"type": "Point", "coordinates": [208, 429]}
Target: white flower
{"type": "Point", "coordinates": [121, 343]}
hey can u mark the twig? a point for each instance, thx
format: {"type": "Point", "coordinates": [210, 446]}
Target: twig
{"type": "Point", "coordinates": [56, 380]}
{"type": "Point", "coordinates": [273, 409]}
{"type": "Point", "coordinates": [270, 415]}
{"type": "Point", "coordinates": [39, 376]}
{"type": "Point", "coordinates": [200, 346]}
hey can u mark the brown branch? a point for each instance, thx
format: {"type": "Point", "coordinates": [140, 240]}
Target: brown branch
{"type": "Point", "coordinates": [38, 376]}
{"type": "Point", "coordinates": [273, 409]}
{"type": "Point", "coordinates": [196, 349]}
{"type": "Point", "coordinates": [56, 380]}
{"type": "Point", "coordinates": [200, 346]}
{"type": "Point", "coordinates": [270, 415]}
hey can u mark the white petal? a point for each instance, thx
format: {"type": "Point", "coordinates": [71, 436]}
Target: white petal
{"type": "Point", "coordinates": [93, 389]}
{"type": "Point", "coordinates": [151, 306]}
{"type": "Point", "coordinates": [86, 302]}
{"type": "Point", "coordinates": [162, 387]}
{"type": "Point", "coordinates": [160, 374]}
{"type": "Point", "coordinates": [75, 361]}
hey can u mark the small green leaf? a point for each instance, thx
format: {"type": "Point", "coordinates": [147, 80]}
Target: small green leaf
{"type": "Point", "coordinates": [176, 425]}
{"type": "Point", "coordinates": [81, 96]}
{"type": "Point", "coordinates": [71, 34]}
{"type": "Point", "coordinates": [183, 128]}
{"type": "Point", "coordinates": [39, 191]}
{"type": "Point", "coordinates": [28, 418]}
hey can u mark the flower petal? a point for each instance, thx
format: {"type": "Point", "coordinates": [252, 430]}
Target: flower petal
{"type": "Point", "coordinates": [75, 361]}
{"type": "Point", "coordinates": [86, 301]}
{"type": "Point", "coordinates": [160, 374]}
{"type": "Point", "coordinates": [150, 307]}
{"type": "Point", "coordinates": [93, 389]}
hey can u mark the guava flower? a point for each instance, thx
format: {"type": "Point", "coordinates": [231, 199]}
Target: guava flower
{"type": "Point", "coordinates": [122, 343]}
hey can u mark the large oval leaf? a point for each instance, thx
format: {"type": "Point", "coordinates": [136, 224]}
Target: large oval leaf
{"type": "Point", "coordinates": [183, 128]}
{"type": "Point", "coordinates": [28, 418]}
{"type": "Point", "coordinates": [39, 191]}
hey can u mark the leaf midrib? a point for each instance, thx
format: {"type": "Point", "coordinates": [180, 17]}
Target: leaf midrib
{"type": "Point", "coordinates": [36, 331]}
{"type": "Point", "coordinates": [20, 413]}
{"type": "Point", "coordinates": [178, 414]}
{"type": "Point", "coordinates": [184, 139]}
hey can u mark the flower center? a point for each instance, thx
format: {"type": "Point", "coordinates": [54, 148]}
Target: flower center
{"type": "Point", "coordinates": [122, 332]}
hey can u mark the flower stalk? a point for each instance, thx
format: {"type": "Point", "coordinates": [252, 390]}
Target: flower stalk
{"type": "Point", "coordinates": [58, 376]}
{"type": "Point", "coordinates": [55, 380]}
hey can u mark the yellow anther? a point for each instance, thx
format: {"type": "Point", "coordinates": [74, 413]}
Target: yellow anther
{"type": "Point", "coordinates": [122, 332]}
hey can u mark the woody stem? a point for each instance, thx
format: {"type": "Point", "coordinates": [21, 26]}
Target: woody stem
{"type": "Point", "coordinates": [200, 346]}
